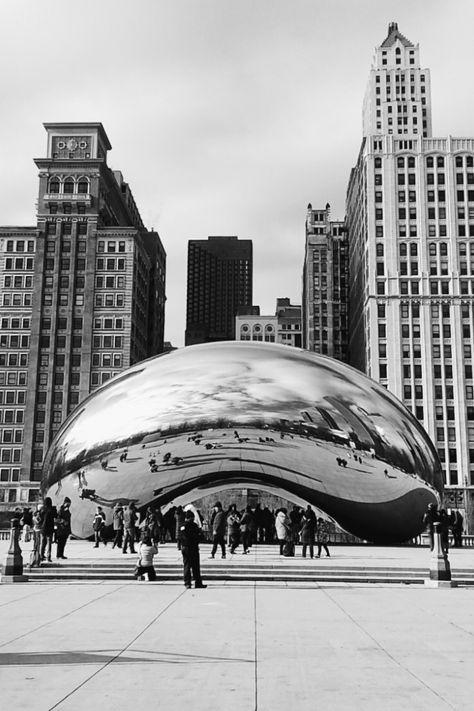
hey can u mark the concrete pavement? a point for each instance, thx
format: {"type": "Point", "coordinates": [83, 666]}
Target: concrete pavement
{"type": "Point", "coordinates": [236, 646]}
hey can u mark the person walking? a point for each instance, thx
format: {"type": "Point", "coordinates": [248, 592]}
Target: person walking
{"type": "Point", "coordinates": [246, 529]}
{"type": "Point", "coordinates": [189, 535]}
{"type": "Point", "coordinates": [146, 553]}
{"type": "Point", "coordinates": [233, 527]}
{"type": "Point", "coordinates": [98, 524]}
{"type": "Point", "coordinates": [63, 527]}
{"type": "Point", "coordinates": [218, 529]}
{"type": "Point", "coordinates": [306, 532]}
{"type": "Point", "coordinates": [48, 516]}
{"type": "Point", "coordinates": [117, 523]}
{"type": "Point", "coordinates": [130, 518]}
{"type": "Point", "coordinates": [322, 536]}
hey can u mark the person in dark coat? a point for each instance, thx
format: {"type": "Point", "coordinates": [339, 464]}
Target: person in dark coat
{"type": "Point", "coordinates": [443, 528]}
{"type": "Point", "coordinates": [48, 517]}
{"type": "Point", "coordinates": [457, 527]}
{"type": "Point", "coordinates": [179, 520]}
{"type": "Point", "coordinates": [130, 519]}
{"type": "Point", "coordinates": [233, 527]}
{"type": "Point", "coordinates": [307, 529]}
{"type": "Point", "coordinates": [218, 529]}
{"type": "Point", "coordinates": [63, 527]}
{"type": "Point", "coordinates": [246, 529]}
{"type": "Point", "coordinates": [189, 535]}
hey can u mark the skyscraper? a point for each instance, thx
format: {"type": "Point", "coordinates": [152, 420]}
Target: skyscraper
{"type": "Point", "coordinates": [410, 219]}
{"type": "Point", "coordinates": [325, 285]}
{"type": "Point", "coordinates": [219, 285]}
{"type": "Point", "coordinates": [81, 298]}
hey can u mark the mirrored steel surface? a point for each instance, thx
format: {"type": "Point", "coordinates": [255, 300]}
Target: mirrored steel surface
{"type": "Point", "coordinates": [213, 416]}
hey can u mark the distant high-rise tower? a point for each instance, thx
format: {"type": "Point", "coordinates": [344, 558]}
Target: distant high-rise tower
{"type": "Point", "coordinates": [219, 285]}
{"type": "Point", "coordinates": [82, 297]}
{"type": "Point", "coordinates": [325, 284]}
{"type": "Point", "coordinates": [410, 221]}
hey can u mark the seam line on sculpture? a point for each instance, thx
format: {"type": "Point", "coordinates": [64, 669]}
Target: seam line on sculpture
{"type": "Point", "coordinates": [61, 617]}
{"type": "Point", "coordinates": [386, 652]}
{"type": "Point", "coordinates": [114, 658]}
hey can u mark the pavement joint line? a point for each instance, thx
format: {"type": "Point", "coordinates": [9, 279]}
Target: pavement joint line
{"type": "Point", "coordinates": [113, 659]}
{"type": "Point", "coordinates": [255, 645]}
{"type": "Point", "coordinates": [61, 617]}
{"type": "Point", "coordinates": [31, 594]}
{"type": "Point", "coordinates": [388, 654]}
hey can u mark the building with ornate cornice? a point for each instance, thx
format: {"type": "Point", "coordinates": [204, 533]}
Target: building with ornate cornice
{"type": "Point", "coordinates": [410, 222]}
{"type": "Point", "coordinates": [82, 297]}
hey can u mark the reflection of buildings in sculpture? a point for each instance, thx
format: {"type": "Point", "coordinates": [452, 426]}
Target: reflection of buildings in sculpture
{"type": "Point", "coordinates": [284, 327]}
{"type": "Point", "coordinates": [82, 298]}
{"type": "Point", "coordinates": [219, 284]}
{"type": "Point", "coordinates": [324, 300]}
{"type": "Point", "coordinates": [410, 221]}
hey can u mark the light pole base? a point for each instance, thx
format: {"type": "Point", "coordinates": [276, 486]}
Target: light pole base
{"type": "Point", "coordinates": [429, 583]}
{"type": "Point", "coordinates": [14, 579]}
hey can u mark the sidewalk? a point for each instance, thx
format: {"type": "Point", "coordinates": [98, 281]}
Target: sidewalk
{"type": "Point", "coordinates": [243, 646]}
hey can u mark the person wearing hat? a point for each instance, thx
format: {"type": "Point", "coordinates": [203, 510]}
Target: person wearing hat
{"type": "Point", "coordinates": [117, 522]}
{"type": "Point", "coordinates": [189, 536]}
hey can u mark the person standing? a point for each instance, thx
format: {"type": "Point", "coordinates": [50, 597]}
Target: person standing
{"type": "Point", "coordinates": [98, 524]}
{"type": "Point", "coordinates": [218, 529]}
{"type": "Point", "coordinates": [282, 528]}
{"type": "Point", "coordinates": [129, 525]}
{"type": "Point", "coordinates": [27, 524]}
{"type": "Point", "coordinates": [48, 516]}
{"type": "Point", "coordinates": [189, 536]}
{"type": "Point", "coordinates": [307, 529]}
{"type": "Point", "coordinates": [63, 527]}
{"type": "Point", "coordinates": [117, 522]}
{"type": "Point", "coordinates": [429, 519]}
{"type": "Point", "coordinates": [457, 528]}
{"type": "Point", "coordinates": [322, 536]}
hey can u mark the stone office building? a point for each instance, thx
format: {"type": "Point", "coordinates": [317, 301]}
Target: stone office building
{"type": "Point", "coordinates": [82, 297]}
{"type": "Point", "coordinates": [410, 221]}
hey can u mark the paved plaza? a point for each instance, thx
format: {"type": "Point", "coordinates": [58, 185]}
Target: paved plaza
{"type": "Point", "coordinates": [246, 646]}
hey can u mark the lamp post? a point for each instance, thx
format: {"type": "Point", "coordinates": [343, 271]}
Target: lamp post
{"type": "Point", "coordinates": [13, 564]}
{"type": "Point", "coordinates": [440, 570]}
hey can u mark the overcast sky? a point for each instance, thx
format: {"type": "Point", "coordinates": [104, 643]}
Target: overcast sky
{"type": "Point", "coordinates": [226, 118]}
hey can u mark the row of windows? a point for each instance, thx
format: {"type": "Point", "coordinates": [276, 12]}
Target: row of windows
{"type": "Point", "coordinates": [64, 264]}
{"type": "Point", "coordinates": [66, 245]}
{"type": "Point", "coordinates": [69, 185]}
{"type": "Point", "coordinates": [9, 436]}
{"type": "Point", "coordinates": [110, 246]}
{"type": "Point", "coordinates": [431, 161]}
{"type": "Point", "coordinates": [66, 208]}
{"type": "Point", "coordinates": [19, 263]}
{"type": "Point", "coordinates": [107, 360]}
{"type": "Point", "coordinates": [107, 323]}
{"type": "Point", "coordinates": [107, 341]}
{"type": "Point", "coordinates": [65, 228]}
{"type": "Point", "coordinates": [10, 417]}
{"type": "Point", "coordinates": [110, 264]}
{"type": "Point", "coordinates": [10, 475]}
{"type": "Point", "coordinates": [14, 341]}
{"type": "Point", "coordinates": [12, 397]}
{"type": "Point", "coordinates": [108, 300]}
{"type": "Point", "coordinates": [45, 341]}
{"type": "Point", "coordinates": [63, 299]}
{"type": "Point", "coordinates": [14, 359]}
{"type": "Point", "coordinates": [256, 327]}
{"type": "Point", "coordinates": [101, 378]}
{"type": "Point", "coordinates": [10, 455]}
{"type": "Point", "coordinates": [14, 377]}
{"type": "Point", "coordinates": [17, 299]}
{"type": "Point", "coordinates": [20, 245]}
{"type": "Point", "coordinates": [18, 282]}
{"type": "Point", "coordinates": [268, 338]}
{"type": "Point", "coordinates": [14, 323]}
{"type": "Point", "coordinates": [61, 323]}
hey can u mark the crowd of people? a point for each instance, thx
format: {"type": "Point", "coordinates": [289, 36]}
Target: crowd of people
{"type": "Point", "coordinates": [446, 523]}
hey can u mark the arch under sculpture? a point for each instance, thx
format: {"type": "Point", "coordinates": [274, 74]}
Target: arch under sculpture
{"type": "Point", "coordinates": [213, 416]}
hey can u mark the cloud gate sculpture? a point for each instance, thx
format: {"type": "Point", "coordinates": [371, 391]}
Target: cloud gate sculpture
{"type": "Point", "coordinates": [208, 417]}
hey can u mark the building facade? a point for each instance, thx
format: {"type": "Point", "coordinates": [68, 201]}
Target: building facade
{"type": "Point", "coordinates": [82, 297]}
{"type": "Point", "coordinates": [283, 327]}
{"type": "Point", "coordinates": [325, 285]}
{"type": "Point", "coordinates": [410, 221]}
{"type": "Point", "coordinates": [219, 286]}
